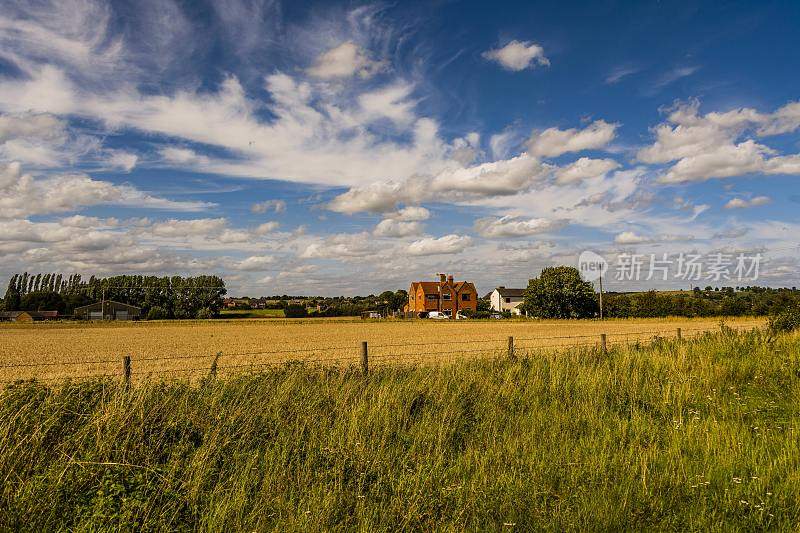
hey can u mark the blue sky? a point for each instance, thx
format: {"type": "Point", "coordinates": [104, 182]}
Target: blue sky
{"type": "Point", "coordinates": [343, 148]}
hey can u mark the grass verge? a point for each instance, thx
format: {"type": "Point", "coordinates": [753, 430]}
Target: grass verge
{"type": "Point", "coordinates": [701, 434]}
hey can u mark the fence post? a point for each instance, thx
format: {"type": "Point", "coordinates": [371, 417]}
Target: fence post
{"type": "Point", "coordinates": [364, 358]}
{"type": "Point", "coordinates": [126, 370]}
{"type": "Point", "coordinates": [214, 365]}
{"type": "Point", "coordinates": [679, 334]}
{"type": "Point", "coordinates": [511, 348]}
{"type": "Point", "coordinates": [603, 346]}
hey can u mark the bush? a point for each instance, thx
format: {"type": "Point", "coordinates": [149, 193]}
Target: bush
{"type": "Point", "coordinates": [295, 311]}
{"type": "Point", "coordinates": [157, 313]}
{"type": "Point", "coordinates": [205, 313]}
{"type": "Point", "coordinates": [787, 320]}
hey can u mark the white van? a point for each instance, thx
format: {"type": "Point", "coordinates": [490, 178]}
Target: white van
{"type": "Point", "coordinates": [438, 315]}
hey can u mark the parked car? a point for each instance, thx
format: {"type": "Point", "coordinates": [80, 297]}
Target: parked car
{"type": "Point", "coordinates": [461, 316]}
{"type": "Point", "coordinates": [438, 315]}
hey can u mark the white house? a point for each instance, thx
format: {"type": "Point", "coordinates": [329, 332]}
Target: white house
{"type": "Point", "coordinates": [503, 299]}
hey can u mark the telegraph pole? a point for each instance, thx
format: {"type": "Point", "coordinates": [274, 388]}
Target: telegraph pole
{"type": "Point", "coordinates": [601, 295]}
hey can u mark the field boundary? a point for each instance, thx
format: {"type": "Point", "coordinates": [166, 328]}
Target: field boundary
{"type": "Point", "coordinates": [363, 355]}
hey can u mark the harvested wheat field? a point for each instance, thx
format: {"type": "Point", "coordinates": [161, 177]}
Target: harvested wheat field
{"type": "Point", "coordinates": [188, 348]}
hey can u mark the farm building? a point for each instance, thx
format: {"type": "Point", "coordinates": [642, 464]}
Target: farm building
{"type": "Point", "coordinates": [108, 310]}
{"type": "Point", "coordinates": [446, 296]}
{"type": "Point", "coordinates": [28, 316]}
{"type": "Point", "coordinates": [505, 299]}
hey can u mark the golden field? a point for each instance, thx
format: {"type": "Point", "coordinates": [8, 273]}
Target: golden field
{"type": "Point", "coordinates": [187, 348]}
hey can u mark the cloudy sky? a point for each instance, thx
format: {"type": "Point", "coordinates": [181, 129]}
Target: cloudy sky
{"type": "Point", "coordinates": [347, 148]}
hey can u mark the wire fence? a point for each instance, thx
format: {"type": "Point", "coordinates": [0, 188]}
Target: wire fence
{"type": "Point", "coordinates": [362, 356]}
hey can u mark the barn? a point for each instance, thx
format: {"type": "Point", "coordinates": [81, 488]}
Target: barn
{"type": "Point", "coordinates": [108, 310]}
{"type": "Point", "coordinates": [28, 316]}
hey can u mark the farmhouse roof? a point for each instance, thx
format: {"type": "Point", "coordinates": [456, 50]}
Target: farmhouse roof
{"type": "Point", "coordinates": [510, 293]}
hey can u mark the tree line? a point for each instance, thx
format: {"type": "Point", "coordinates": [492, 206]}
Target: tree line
{"type": "Point", "coordinates": [158, 297]}
{"type": "Point", "coordinates": [560, 292]}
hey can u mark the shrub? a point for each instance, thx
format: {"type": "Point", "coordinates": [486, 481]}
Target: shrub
{"type": "Point", "coordinates": [786, 320]}
{"type": "Point", "coordinates": [295, 311]}
{"type": "Point", "coordinates": [157, 313]}
{"type": "Point", "coordinates": [205, 313]}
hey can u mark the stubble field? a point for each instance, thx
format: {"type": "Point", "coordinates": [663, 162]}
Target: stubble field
{"type": "Point", "coordinates": [188, 348]}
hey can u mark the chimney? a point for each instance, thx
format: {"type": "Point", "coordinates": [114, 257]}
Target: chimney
{"type": "Point", "coordinates": [442, 278]}
{"type": "Point", "coordinates": [450, 280]}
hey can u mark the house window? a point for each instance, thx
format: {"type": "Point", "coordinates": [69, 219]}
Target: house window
{"type": "Point", "coordinates": [446, 296]}
{"type": "Point", "coordinates": [465, 297]}
{"type": "Point", "coordinates": [431, 297]}
{"type": "Point", "coordinates": [508, 300]}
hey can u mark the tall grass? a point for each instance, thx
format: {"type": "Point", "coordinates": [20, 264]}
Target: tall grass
{"type": "Point", "coordinates": [695, 435]}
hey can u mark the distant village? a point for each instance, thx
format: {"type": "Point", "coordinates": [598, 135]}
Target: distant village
{"type": "Point", "coordinates": [444, 298]}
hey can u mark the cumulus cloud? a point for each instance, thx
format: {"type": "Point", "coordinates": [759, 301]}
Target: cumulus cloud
{"type": "Point", "coordinates": [278, 206]}
{"type": "Point", "coordinates": [731, 160]}
{"type": "Point", "coordinates": [585, 168]}
{"type": "Point", "coordinates": [266, 227]}
{"type": "Point", "coordinates": [343, 61]}
{"type": "Point", "coordinates": [508, 226]}
{"type": "Point", "coordinates": [255, 263]}
{"type": "Point", "coordinates": [553, 142]}
{"type": "Point", "coordinates": [412, 214]}
{"type": "Point", "coordinates": [518, 55]}
{"type": "Point", "coordinates": [630, 237]}
{"type": "Point", "coordinates": [496, 178]}
{"type": "Point", "coordinates": [185, 228]}
{"type": "Point", "coordinates": [707, 146]}
{"type": "Point", "coordinates": [340, 246]}
{"type": "Point", "coordinates": [397, 228]}
{"type": "Point", "coordinates": [448, 244]}
{"type": "Point", "coordinates": [23, 195]}
{"type": "Point", "coordinates": [742, 203]}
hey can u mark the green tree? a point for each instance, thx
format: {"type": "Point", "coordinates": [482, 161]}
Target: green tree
{"type": "Point", "coordinates": [559, 292]}
{"type": "Point", "coordinates": [12, 300]}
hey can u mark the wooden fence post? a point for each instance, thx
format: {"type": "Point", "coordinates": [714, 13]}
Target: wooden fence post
{"type": "Point", "coordinates": [511, 348]}
{"type": "Point", "coordinates": [126, 370]}
{"type": "Point", "coordinates": [603, 346]}
{"type": "Point", "coordinates": [364, 358]}
{"type": "Point", "coordinates": [214, 365]}
{"type": "Point", "coordinates": [679, 334]}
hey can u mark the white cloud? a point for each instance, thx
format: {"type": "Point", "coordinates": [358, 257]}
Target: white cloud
{"type": "Point", "coordinates": [185, 228]}
{"type": "Point", "coordinates": [278, 206]}
{"type": "Point", "coordinates": [585, 168]}
{"type": "Point", "coordinates": [397, 228]}
{"type": "Point", "coordinates": [455, 184]}
{"type": "Point", "coordinates": [508, 226]}
{"type": "Point", "coordinates": [183, 156]}
{"type": "Point", "coordinates": [340, 246]}
{"type": "Point", "coordinates": [742, 203]}
{"type": "Point", "coordinates": [23, 195]}
{"type": "Point", "coordinates": [121, 160]}
{"type": "Point", "coordinates": [344, 61]}
{"type": "Point", "coordinates": [726, 161]}
{"type": "Point", "coordinates": [266, 227]}
{"type": "Point", "coordinates": [553, 142]}
{"type": "Point", "coordinates": [630, 237]}
{"type": "Point", "coordinates": [518, 55]}
{"type": "Point", "coordinates": [412, 214]}
{"type": "Point", "coordinates": [389, 102]}
{"type": "Point", "coordinates": [255, 263]}
{"type": "Point", "coordinates": [449, 244]}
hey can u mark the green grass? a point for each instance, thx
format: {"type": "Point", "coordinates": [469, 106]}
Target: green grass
{"type": "Point", "coordinates": [252, 313]}
{"type": "Point", "coordinates": [702, 435]}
